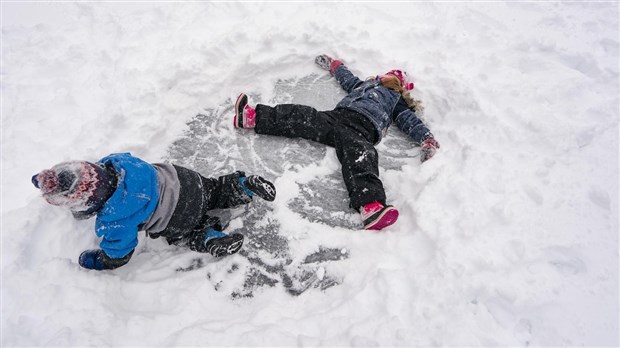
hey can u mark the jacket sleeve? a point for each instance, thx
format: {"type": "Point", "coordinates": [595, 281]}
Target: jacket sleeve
{"type": "Point", "coordinates": [408, 122]}
{"type": "Point", "coordinates": [118, 239]}
{"type": "Point", "coordinates": [347, 80]}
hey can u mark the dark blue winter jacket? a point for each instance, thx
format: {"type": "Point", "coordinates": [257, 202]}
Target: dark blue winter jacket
{"type": "Point", "coordinates": [131, 204]}
{"type": "Point", "coordinates": [380, 105]}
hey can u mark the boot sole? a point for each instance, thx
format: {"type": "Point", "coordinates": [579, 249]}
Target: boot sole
{"type": "Point", "coordinates": [219, 249]}
{"type": "Point", "coordinates": [387, 217]}
{"type": "Point", "coordinates": [242, 100]}
{"type": "Point", "coordinates": [262, 188]}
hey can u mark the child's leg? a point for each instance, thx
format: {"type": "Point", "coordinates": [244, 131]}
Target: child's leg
{"type": "Point", "coordinates": [296, 121]}
{"type": "Point", "coordinates": [235, 189]}
{"type": "Point", "coordinates": [189, 222]}
{"type": "Point", "coordinates": [359, 160]}
{"type": "Point", "coordinates": [225, 191]}
{"type": "Point", "coordinates": [360, 169]}
{"type": "Point", "coordinates": [197, 195]}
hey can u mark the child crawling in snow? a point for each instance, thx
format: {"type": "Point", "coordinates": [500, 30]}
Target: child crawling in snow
{"type": "Point", "coordinates": [129, 195]}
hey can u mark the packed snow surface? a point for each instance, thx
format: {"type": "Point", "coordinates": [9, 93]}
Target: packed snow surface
{"type": "Point", "coordinates": [508, 236]}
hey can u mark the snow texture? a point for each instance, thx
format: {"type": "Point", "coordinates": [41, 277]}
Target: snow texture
{"type": "Point", "coordinates": [507, 237]}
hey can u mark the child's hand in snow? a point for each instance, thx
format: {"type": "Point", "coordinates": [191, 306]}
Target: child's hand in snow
{"type": "Point", "coordinates": [428, 148]}
{"type": "Point", "coordinates": [98, 260]}
{"type": "Point", "coordinates": [328, 63]}
{"type": "Point", "coordinates": [92, 259]}
{"type": "Point", "coordinates": [324, 61]}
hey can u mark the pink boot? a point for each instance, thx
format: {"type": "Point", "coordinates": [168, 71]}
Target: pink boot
{"type": "Point", "coordinates": [376, 216]}
{"type": "Point", "coordinates": [245, 115]}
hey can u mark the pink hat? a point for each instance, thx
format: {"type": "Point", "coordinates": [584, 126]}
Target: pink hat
{"type": "Point", "coordinates": [403, 77]}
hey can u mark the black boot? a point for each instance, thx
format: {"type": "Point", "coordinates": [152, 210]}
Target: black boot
{"type": "Point", "coordinates": [261, 187]}
{"type": "Point", "coordinates": [226, 245]}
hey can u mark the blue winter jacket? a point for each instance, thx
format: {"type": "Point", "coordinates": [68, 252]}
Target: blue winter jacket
{"type": "Point", "coordinates": [132, 203]}
{"type": "Point", "coordinates": [380, 105]}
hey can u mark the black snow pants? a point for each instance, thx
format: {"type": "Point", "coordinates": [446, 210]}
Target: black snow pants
{"type": "Point", "coordinates": [198, 195]}
{"type": "Point", "coordinates": [349, 132]}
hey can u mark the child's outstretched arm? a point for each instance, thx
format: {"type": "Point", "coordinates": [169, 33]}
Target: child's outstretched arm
{"type": "Point", "coordinates": [117, 245]}
{"type": "Point", "coordinates": [408, 122]}
{"type": "Point", "coordinates": [343, 75]}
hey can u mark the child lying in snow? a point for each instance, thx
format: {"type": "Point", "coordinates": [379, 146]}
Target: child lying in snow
{"type": "Point", "coordinates": [129, 195]}
{"type": "Point", "coordinates": [353, 128]}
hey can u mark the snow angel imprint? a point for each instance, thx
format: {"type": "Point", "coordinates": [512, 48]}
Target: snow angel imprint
{"type": "Point", "coordinates": [358, 122]}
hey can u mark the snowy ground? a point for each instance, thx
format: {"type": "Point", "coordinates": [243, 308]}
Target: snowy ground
{"type": "Point", "coordinates": [508, 237]}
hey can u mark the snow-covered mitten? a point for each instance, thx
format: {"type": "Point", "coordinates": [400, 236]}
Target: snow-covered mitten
{"type": "Point", "coordinates": [98, 260]}
{"type": "Point", "coordinates": [328, 63]}
{"type": "Point", "coordinates": [428, 148]}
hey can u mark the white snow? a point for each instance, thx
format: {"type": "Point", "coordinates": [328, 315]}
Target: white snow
{"type": "Point", "coordinates": [508, 237]}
